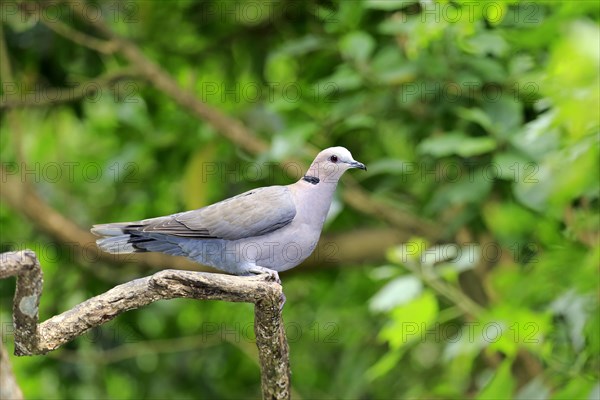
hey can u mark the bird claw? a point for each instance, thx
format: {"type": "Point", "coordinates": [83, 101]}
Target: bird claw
{"type": "Point", "coordinates": [270, 275]}
{"type": "Point", "coordinates": [282, 301]}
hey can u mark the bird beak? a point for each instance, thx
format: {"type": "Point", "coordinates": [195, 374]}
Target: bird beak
{"type": "Point", "coordinates": [359, 165]}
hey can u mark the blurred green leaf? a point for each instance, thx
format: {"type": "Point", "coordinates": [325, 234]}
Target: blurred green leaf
{"type": "Point", "coordinates": [538, 137]}
{"type": "Point", "coordinates": [488, 43]}
{"type": "Point", "coordinates": [472, 188]}
{"type": "Point", "coordinates": [477, 116]}
{"type": "Point", "coordinates": [410, 321]}
{"type": "Point", "coordinates": [572, 84]}
{"type": "Point", "coordinates": [534, 188]}
{"type": "Point", "coordinates": [388, 166]}
{"type": "Point", "coordinates": [505, 115]}
{"type": "Point", "coordinates": [502, 384]}
{"type": "Point", "coordinates": [357, 46]}
{"type": "Point", "coordinates": [572, 307]}
{"type": "Point", "coordinates": [386, 364]}
{"type": "Point", "coordinates": [509, 221]}
{"type": "Point", "coordinates": [577, 388]}
{"type": "Point", "coordinates": [457, 143]}
{"type": "Point", "coordinates": [534, 390]}
{"type": "Point", "coordinates": [302, 46]}
{"type": "Point", "coordinates": [395, 293]}
{"type": "Point", "coordinates": [387, 5]}
{"type": "Point", "coordinates": [344, 78]}
{"type": "Point", "coordinates": [281, 69]}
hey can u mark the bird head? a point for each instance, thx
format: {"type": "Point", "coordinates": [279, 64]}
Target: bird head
{"type": "Point", "coordinates": [330, 164]}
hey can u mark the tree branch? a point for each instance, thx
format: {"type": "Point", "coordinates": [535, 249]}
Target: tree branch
{"type": "Point", "coordinates": [7, 76]}
{"type": "Point", "coordinates": [99, 45]}
{"type": "Point", "coordinates": [265, 293]}
{"type": "Point", "coordinates": [53, 96]}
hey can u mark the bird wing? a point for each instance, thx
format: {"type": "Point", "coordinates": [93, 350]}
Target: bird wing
{"type": "Point", "coordinates": [253, 213]}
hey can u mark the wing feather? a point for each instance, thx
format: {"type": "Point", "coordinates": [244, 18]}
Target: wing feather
{"type": "Point", "coordinates": [253, 213]}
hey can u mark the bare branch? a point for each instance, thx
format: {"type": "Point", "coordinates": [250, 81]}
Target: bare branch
{"type": "Point", "coordinates": [101, 46]}
{"type": "Point", "coordinates": [53, 96]}
{"type": "Point", "coordinates": [268, 327]}
{"type": "Point", "coordinates": [7, 76]}
{"type": "Point", "coordinates": [265, 293]}
{"type": "Point", "coordinates": [456, 296]}
{"type": "Point", "coordinates": [25, 266]}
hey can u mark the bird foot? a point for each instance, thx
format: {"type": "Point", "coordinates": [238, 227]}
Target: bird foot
{"type": "Point", "coordinates": [270, 275]}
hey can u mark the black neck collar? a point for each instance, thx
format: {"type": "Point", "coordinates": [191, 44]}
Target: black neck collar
{"type": "Point", "coordinates": [313, 180]}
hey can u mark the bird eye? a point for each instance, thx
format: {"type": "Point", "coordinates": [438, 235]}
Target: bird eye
{"type": "Point", "coordinates": [333, 158]}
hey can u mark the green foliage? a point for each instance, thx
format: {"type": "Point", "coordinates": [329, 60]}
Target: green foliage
{"type": "Point", "coordinates": [479, 115]}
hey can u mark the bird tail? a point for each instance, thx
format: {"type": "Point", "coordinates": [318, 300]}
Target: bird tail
{"type": "Point", "coordinates": [129, 237]}
{"type": "Point", "coordinates": [115, 238]}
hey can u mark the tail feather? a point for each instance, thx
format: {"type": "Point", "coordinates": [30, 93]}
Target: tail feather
{"type": "Point", "coordinates": [123, 238]}
{"type": "Point", "coordinates": [110, 229]}
{"type": "Point", "coordinates": [160, 247]}
{"type": "Point", "coordinates": [117, 245]}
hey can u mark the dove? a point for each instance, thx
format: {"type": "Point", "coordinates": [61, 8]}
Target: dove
{"type": "Point", "coordinates": [263, 230]}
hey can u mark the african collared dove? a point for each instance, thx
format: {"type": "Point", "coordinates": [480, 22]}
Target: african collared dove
{"type": "Point", "coordinates": [267, 229]}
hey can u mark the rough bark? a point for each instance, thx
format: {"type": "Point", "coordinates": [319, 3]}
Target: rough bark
{"type": "Point", "coordinates": [264, 291]}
